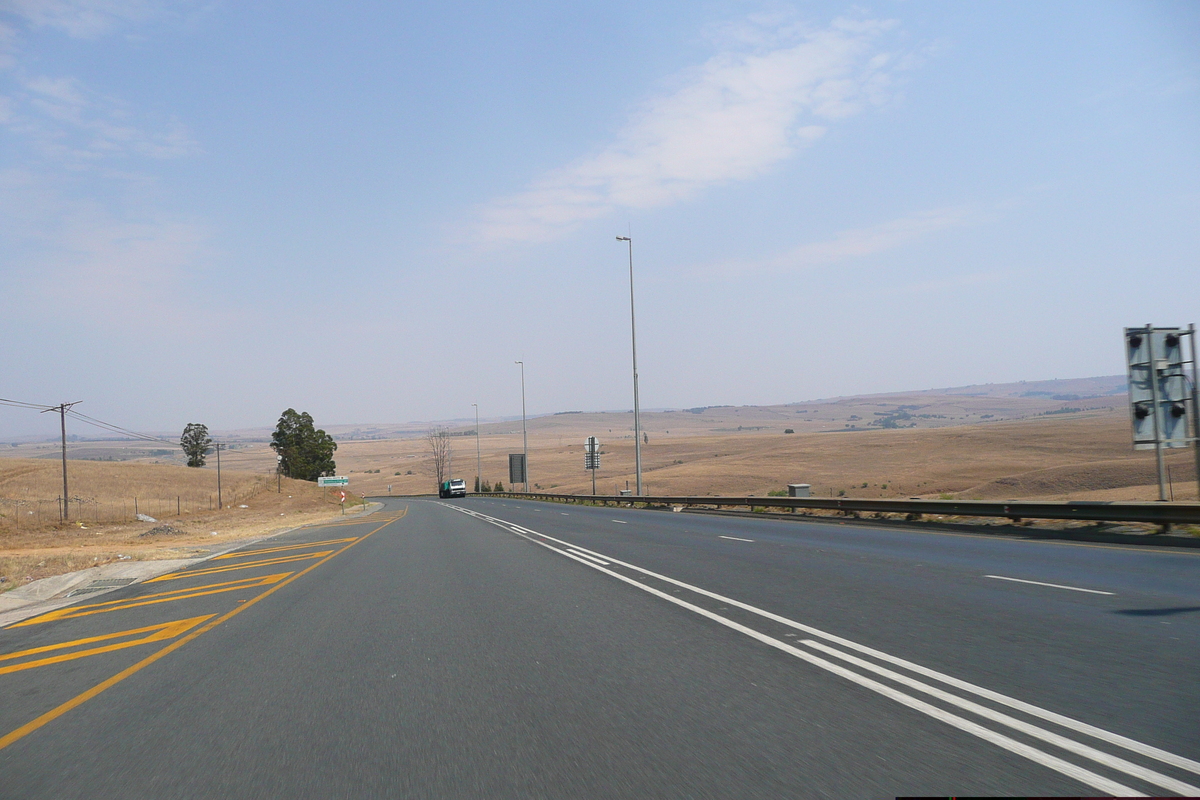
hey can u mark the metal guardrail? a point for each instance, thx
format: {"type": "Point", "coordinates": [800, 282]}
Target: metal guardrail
{"type": "Point", "coordinates": [1015, 510]}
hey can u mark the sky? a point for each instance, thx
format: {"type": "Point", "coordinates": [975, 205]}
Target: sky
{"type": "Point", "coordinates": [213, 211]}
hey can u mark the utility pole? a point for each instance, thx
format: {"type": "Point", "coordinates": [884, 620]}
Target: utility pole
{"type": "Point", "coordinates": [62, 410]}
{"type": "Point", "coordinates": [478, 456]}
{"type": "Point", "coordinates": [219, 506]}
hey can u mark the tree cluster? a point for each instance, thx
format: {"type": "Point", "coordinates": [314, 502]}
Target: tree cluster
{"type": "Point", "coordinates": [306, 452]}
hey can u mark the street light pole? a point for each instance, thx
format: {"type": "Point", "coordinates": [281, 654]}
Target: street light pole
{"type": "Point", "coordinates": [524, 433]}
{"type": "Point", "coordinates": [478, 457]}
{"type": "Point", "coordinates": [637, 422]}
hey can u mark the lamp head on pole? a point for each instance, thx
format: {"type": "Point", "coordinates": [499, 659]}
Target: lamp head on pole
{"type": "Point", "coordinates": [623, 239]}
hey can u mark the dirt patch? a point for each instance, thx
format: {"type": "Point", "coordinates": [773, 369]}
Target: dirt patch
{"type": "Point", "coordinates": [163, 530]}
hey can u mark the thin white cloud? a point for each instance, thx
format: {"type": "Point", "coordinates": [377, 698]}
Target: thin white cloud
{"type": "Point", "coordinates": [101, 259]}
{"type": "Point", "coordinates": [8, 46]}
{"type": "Point", "coordinates": [83, 19]}
{"type": "Point", "coordinates": [62, 117]}
{"type": "Point", "coordinates": [771, 92]}
{"type": "Point", "coordinates": [851, 244]}
{"type": "Point", "coordinates": [65, 120]}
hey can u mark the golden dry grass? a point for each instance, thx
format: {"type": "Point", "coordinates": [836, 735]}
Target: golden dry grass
{"type": "Point", "coordinates": [986, 447]}
{"type": "Point", "coordinates": [30, 552]}
{"type": "Point", "coordinates": [1055, 456]}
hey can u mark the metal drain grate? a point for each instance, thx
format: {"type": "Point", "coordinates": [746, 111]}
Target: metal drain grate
{"type": "Point", "coordinates": [101, 585]}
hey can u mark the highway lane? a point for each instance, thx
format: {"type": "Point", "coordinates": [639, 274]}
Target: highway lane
{"type": "Point", "coordinates": [1115, 660]}
{"type": "Point", "coordinates": [440, 655]}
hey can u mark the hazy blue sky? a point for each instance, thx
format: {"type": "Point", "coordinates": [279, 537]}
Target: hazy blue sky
{"type": "Point", "coordinates": [211, 211]}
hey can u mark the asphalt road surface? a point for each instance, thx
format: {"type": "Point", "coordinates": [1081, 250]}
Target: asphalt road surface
{"type": "Point", "coordinates": [499, 648]}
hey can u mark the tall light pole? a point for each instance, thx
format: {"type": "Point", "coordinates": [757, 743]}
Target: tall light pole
{"type": "Point", "coordinates": [637, 421]}
{"type": "Point", "coordinates": [524, 433]}
{"type": "Point", "coordinates": [478, 457]}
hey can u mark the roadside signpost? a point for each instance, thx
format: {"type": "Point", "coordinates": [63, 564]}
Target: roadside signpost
{"type": "Point", "coordinates": [516, 468]}
{"type": "Point", "coordinates": [1159, 395]}
{"type": "Point", "coordinates": [335, 480]}
{"type": "Point", "coordinates": [591, 458]}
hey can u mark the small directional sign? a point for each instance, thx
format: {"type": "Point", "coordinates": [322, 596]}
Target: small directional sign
{"type": "Point", "coordinates": [333, 480]}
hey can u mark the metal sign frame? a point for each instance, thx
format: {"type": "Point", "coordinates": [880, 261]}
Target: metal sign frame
{"type": "Point", "coordinates": [1159, 395]}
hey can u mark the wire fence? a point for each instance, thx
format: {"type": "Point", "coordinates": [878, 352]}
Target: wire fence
{"type": "Point", "coordinates": [27, 515]}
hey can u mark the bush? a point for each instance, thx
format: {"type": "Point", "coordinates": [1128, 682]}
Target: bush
{"type": "Point", "coordinates": [788, 430]}
{"type": "Point", "coordinates": [499, 487]}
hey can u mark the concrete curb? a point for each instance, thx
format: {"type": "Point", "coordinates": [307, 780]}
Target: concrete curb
{"type": "Point", "coordinates": [51, 593]}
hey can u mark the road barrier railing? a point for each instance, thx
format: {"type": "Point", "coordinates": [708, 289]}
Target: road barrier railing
{"type": "Point", "coordinates": [1156, 513]}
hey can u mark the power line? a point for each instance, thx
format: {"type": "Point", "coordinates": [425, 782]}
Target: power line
{"type": "Point", "coordinates": [117, 429]}
{"type": "Point", "coordinates": [111, 428]}
{"type": "Point", "coordinates": [21, 404]}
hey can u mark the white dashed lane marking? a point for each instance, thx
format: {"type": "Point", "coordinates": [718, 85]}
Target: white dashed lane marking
{"type": "Point", "coordinates": [1051, 585]}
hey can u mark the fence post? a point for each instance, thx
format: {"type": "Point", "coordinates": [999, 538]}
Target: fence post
{"type": "Point", "coordinates": [135, 508]}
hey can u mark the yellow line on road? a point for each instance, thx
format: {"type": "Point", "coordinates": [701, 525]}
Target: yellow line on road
{"type": "Point", "coordinates": [165, 630]}
{"type": "Point", "coordinates": [71, 612]}
{"type": "Point", "coordinates": [241, 553]}
{"type": "Point", "coordinates": [266, 562]}
{"type": "Point", "coordinates": [99, 688]}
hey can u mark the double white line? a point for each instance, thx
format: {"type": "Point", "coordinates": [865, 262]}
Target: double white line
{"type": "Point", "coordinates": [599, 562]}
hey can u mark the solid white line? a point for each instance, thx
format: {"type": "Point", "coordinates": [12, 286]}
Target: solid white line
{"type": "Point", "coordinates": [573, 551]}
{"type": "Point", "coordinates": [1098, 756]}
{"type": "Point", "coordinates": [1051, 585]}
{"type": "Point", "coordinates": [1080, 774]}
{"type": "Point", "coordinates": [735, 538]}
{"type": "Point", "coordinates": [1020, 705]}
{"type": "Point", "coordinates": [619, 522]}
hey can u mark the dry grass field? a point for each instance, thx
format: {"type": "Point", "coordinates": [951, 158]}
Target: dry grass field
{"type": "Point", "coordinates": [1084, 455]}
{"type": "Point", "coordinates": [177, 497]}
{"type": "Point", "coordinates": [1050, 440]}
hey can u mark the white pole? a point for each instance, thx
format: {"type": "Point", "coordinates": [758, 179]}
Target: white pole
{"type": "Point", "coordinates": [478, 457]}
{"type": "Point", "coordinates": [524, 432]}
{"type": "Point", "coordinates": [637, 422]}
